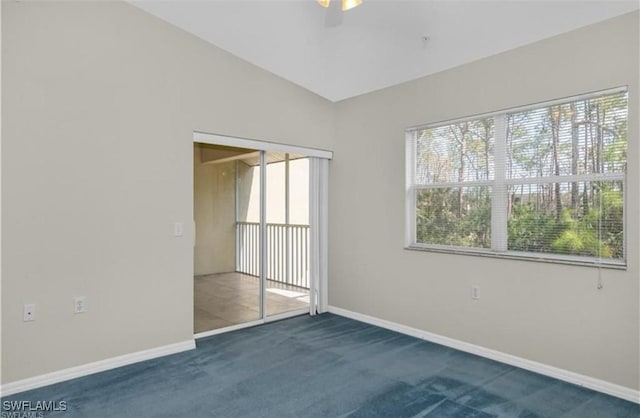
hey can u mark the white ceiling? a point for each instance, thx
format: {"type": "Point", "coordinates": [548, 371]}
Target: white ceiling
{"type": "Point", "coordinates": [379, 43]}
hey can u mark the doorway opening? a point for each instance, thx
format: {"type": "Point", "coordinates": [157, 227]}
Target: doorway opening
{"type": "Point", "coordinates": [252, 243]}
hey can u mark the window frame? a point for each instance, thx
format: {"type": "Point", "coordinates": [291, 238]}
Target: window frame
{"type": "Point", "coordinates": [499, 187]}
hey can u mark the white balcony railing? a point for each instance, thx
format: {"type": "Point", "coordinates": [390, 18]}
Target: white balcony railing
{"type": "Point", "coordinates": [287, 252]}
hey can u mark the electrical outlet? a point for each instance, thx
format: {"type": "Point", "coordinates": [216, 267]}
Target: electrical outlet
{"type": "Point", "coordinates": [79, 305]}
{"type": "Point", "coordinates": [29, 313]}
{"type": "Point", "coordinates": [475, 292]}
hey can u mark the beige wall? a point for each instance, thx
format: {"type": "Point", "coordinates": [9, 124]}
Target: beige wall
{"type": "Point", "coordinates": [214, 213]}
{"type": "Point", "coordinates": [99, 101]}
{"type": "Point", "coordinates": [544, 312]}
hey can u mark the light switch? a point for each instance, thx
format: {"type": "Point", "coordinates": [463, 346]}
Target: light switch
{"type": "Point", "coordinates": [178, 229]}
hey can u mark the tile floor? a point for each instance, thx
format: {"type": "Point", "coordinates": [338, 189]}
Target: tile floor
{"type": "Point", "coordinates": [225, 299]}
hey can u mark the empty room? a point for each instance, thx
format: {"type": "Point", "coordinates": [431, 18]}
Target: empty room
{"type": "Point", "coordinates": [315, 208]}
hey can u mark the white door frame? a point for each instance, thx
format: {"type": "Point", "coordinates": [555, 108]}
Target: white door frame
{"type": "Point", "coordinates": [213, 139]}
{"type": "Point", "coordinates": [318, 207]}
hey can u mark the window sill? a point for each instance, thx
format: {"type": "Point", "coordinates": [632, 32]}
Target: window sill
{"type": "Point", "coordinates": [513, 255]}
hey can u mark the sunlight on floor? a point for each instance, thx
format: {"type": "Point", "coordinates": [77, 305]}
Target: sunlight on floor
{"type": "Point", "coordinates": [225, 299]}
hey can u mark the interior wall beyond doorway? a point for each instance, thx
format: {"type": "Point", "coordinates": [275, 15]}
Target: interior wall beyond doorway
{"type": "Point", "coordinates": [214, 215]}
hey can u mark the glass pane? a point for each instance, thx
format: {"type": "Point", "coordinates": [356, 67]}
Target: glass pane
{"type": "Point", "coordinates": [287, 286]}
{"type": "Point", "coordinates": [226, 251]}
{"type": "Point", "coordinates": [248, 191]}
{"type": "Point", "coordinates": [580, 137]}
{"type": "Point", "coordinates": [454, 216]}
{"type": "Point", "coordinates": [299, 191]}
{"type": "Point", "coordinates": [276, 212]}
{"type": "Point", "coordinates": [248, 222]}
{"type": "Point", "coordinates": [574, 218]}
{"type": "Point", "coordinates": [455, 153]}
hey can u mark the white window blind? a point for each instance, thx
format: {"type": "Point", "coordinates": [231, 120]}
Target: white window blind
{"type": "Point", "coordinates": [545, 181]}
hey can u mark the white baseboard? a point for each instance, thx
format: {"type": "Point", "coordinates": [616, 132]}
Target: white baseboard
{"type": "Point", "coordinates": [230, 328]}
{"type": "Point", "coordinates": [544, 369]}
{"type": "Point", "coordinates": [95, 367]}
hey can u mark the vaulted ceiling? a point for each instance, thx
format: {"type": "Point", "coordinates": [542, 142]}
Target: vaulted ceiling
{"type": "Point", "coordinates": [379, 43]}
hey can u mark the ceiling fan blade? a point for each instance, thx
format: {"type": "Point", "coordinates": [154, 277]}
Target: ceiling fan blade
{"type": "Point", "coordinates": [333, 16]}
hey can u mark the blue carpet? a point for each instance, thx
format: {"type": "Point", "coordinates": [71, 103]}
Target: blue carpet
{"type": "Point", "coordinates": [324, 366]}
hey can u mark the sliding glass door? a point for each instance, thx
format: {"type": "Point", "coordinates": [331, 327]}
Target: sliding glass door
{"type": "Point", "coordinates": [277, 270]}
{"type": "Point", "coordinates": [226, 190]}
{"type": "Point", "coordinates": [287, 233]}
